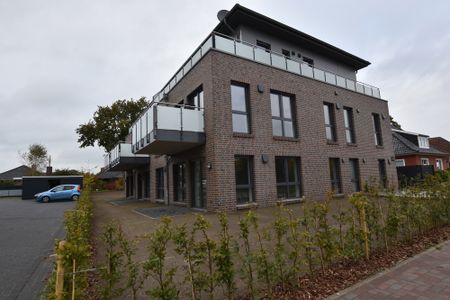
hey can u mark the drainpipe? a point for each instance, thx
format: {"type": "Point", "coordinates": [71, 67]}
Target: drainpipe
{"type": "Point", "coordinates": [168, 160]}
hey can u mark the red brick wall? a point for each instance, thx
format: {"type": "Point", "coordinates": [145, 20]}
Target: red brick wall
{"type": "Point", "coordinates": [216, 71]}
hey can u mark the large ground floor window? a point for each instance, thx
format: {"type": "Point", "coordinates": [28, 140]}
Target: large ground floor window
{"type": "Point", "coordinates": [160, 183]}
{"type": "Point", "coordinates": [244, 179]}
{"type": "Point", "coordinates": [335, 175]}
{"type": "Point", "coordinates": [288, 177]}
{"type": "Point", "coordinates": [179, 182]}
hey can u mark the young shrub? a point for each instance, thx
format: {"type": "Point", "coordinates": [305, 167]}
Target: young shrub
{"type": "Point", "coordinates": [247, 258]}
{"type": "Point", "coordinates": [280, 228]}
{"type": "Point", "coordinates": [264, 266]}
{"type": "Point", "coordinates": [155, 265]}
{"type": "Point", "coordinates": [359, 201]}
{"type": "Point", "coordinates": [111, 273]}
{"type": "Point", "coordinates": [308, 240]}
{"type": "Point", "coordinates": [295, 242]}
{"type": "Point", "coordinates": [209, 248]}
{"type": "Point", "coordinates": [323, 233]}
{"type": "Point", "coordinates": [223, 259]}
{"type": "Point", "coordinates": [194, 255]}
{"type": "Point", "coordinates": [135, 275]}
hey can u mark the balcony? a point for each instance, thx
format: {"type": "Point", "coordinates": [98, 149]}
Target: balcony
{"type": "Point", "coordinates": [121, 158]}
{"type": "Point", "coordinates": [166, 128]}
{"type": "Point", "coordinates": [251, 52]}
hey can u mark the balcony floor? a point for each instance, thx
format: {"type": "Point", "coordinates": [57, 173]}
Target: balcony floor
{"type": "Point", "coordinates": [171, 142]}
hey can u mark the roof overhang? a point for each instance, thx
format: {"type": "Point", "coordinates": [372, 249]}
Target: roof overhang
{"type": "Point", "coordinates": [242, 15]}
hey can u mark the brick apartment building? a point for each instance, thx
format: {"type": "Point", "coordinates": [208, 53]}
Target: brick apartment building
{"type": "Point", "coordinates": [260, 113]}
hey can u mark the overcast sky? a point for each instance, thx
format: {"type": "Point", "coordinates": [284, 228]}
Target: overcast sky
{"type": "Point", "coordinates": [60, 59]}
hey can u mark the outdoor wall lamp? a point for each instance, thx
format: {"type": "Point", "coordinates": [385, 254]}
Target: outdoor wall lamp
{"type": "Point", "coordinates": [209, 166]}
{"type": "Point", "coordinates": [260, 88]}
{"type": "Point", "coordinates": [265, 158]}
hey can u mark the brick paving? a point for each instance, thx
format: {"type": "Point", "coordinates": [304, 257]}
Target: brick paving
{"type": "Point", "coordinates": [425, 276]}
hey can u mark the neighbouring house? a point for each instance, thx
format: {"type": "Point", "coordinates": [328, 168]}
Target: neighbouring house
{"type": "Point", "coordinates": [260, 113]}
{"type": "Point", "coordinates": [414, 157]}
{"type": "Point", "coordinates": [110, 179]}
{"type": "Point", "coordinates": [15, 173]}
{"type": "Point", "coordinates": [442, 145]}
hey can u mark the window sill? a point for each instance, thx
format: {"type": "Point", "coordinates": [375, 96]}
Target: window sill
{"type": "Point", "coordinates": [291, 201]}
{"type": "Point", "coordinates": [352, 145]}
{"type": "Point", "coordinates": [179, 203]}
{"type": "Point", "coordinates": [380, 147]}
{"type": "Point", "coordinates": [248, 205]}
{"type": "Point", "coordinates": [341, 195]}
{"type": "Point", "coordinates": [332, 143]}
{"type": "Point", "coordinates": [243, 135]}
{"type": "Point", "coordinates": [285, 138]}
{"type": "Point", "coordinates": [160, 201]}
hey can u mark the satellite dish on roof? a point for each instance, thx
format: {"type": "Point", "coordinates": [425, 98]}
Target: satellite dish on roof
{"type": "Point", "coordinates": [221, 14]}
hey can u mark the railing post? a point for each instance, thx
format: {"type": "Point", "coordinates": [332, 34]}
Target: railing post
{"type": "Point", "coordinates": [59, 285]}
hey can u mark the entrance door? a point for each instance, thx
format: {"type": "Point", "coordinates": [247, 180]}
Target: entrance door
{"type": "Point", "coordinates": [198, 185]}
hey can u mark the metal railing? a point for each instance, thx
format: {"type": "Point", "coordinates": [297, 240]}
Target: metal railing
{"type": "Point", "coordinates": [252, 52]}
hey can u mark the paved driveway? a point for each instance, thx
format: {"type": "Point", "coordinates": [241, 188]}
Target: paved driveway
{"type": "Point", "coordinates": [27, 233]}
{"type": "Point", "coordinates": [425, 276]}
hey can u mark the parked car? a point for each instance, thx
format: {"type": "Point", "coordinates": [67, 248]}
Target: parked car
{"type": "Point", "coordinates": [60, 192]}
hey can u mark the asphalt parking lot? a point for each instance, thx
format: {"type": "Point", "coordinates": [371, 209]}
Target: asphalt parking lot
{"type": "Point", "coordinates": [27, 233]}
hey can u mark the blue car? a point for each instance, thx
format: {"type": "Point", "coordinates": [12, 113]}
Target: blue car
{"type": "Point", "coordinates": [60, 192]}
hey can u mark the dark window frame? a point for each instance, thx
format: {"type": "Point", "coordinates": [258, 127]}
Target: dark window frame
{"type": "Point", "coordinates": [247, 113]}
{"type": "Point", "coordinates": [332, 124]}
{"type": "Point", "coordinates": [250, 178]}
{"type": "Point", "coordinates": [264, 45]}
{"type": "Point", "coordinates": [281, 118]}
{"type": "Point", "coordinates": [335, 174]}
{"type": "Point", "coordinates": [355, 174]}
{"type": "Point", "coordinates": [179, 182]}
{"type": "Point", "coordinates": [382, 171]}
{"type": "Point", "coordinates": [196, 99]}
{"type": "Point", "coordinates": [350, 127]}
{"type": "Point", "coordinates": [309, 61]}
{"type": "Point", "coordinates": [378, 135]}
{"type": "Point", "coordinates": [160, 188]}
{"type": "Point", "coordinates": [287, 184]}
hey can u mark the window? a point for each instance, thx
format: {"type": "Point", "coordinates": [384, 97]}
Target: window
{"type": "Point", "coordinates": [288, 177]}
{"type": "Point", "coordinates": [160, 183]}
{"type": "Point", "coordinates": [243, 168]}
{"type": "Point", "coordinates": [309, 61]}
{"type": "Point", "coordinates": [424, 161]}
{"type": "Point", "coordinates": [286, 53]}
{"type": "Point", "coordinates": [283, 116]}
{"type": "Point", "coordinates": [355, 177]}
{"type": "Point", "coordinates": [349, 126]}
{"type": "Point", "coordinates": [382, 172]}
{"type": "Point", "coordinates": [179, 182]}
{"type": "Point", "coordinates": [195, 99]}
{"type": "Point", "coordinates": [263, 45]}
{"type": "Point", "coordinates": [439, 164]}
{"type": "Point", "coordinates": [377, 129]}
{"type": "Point", "coordinates": [400, 163]}
{"type": "Point", "coordinates": [335, 175]}
{"type": "Point", "coordinates": [240, 108]}
{"type": "Point", "coordinates": [330, 127]}
{"type": "Point", "coordinates": [423, 142]}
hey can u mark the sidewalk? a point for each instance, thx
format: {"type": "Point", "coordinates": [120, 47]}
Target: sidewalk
{"type": "Point", "coordinates": [424, 276]}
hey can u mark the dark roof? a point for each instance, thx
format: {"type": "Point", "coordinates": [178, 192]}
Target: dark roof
{"type": "Point", "coordinates": [403, 146]}
{"type": "Point", "coordinates": [441, 144]}
{"type": "Point", "coordinates": [242, 15]}
{"type": "Point", "coordinates": [109, 175]}
{"type": "Point", "coordinates": [16, 172]}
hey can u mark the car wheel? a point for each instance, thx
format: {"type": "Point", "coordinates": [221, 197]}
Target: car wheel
{"type": "Point", "coordinates": [45, 199]}
{"type": "Point", "coordinates": [74, 197]}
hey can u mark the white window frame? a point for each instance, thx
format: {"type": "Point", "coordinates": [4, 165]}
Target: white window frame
{"type": "Point", "coordinates": [400, 163]}
{"type": "Point", "coordinates": [424, 159]}
{"type": "Point", "coordinates": [440, 165]}
{"type": "Point", "coordinates": [423, 142]}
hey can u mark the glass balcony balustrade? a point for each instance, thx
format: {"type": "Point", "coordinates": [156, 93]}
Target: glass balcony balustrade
{"type": "Point", "coordinates": [166, 128]}
{"type": "Point", "coordinates": [122, 158]}
{"type": "Point", "coordinates": [261, 55]}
